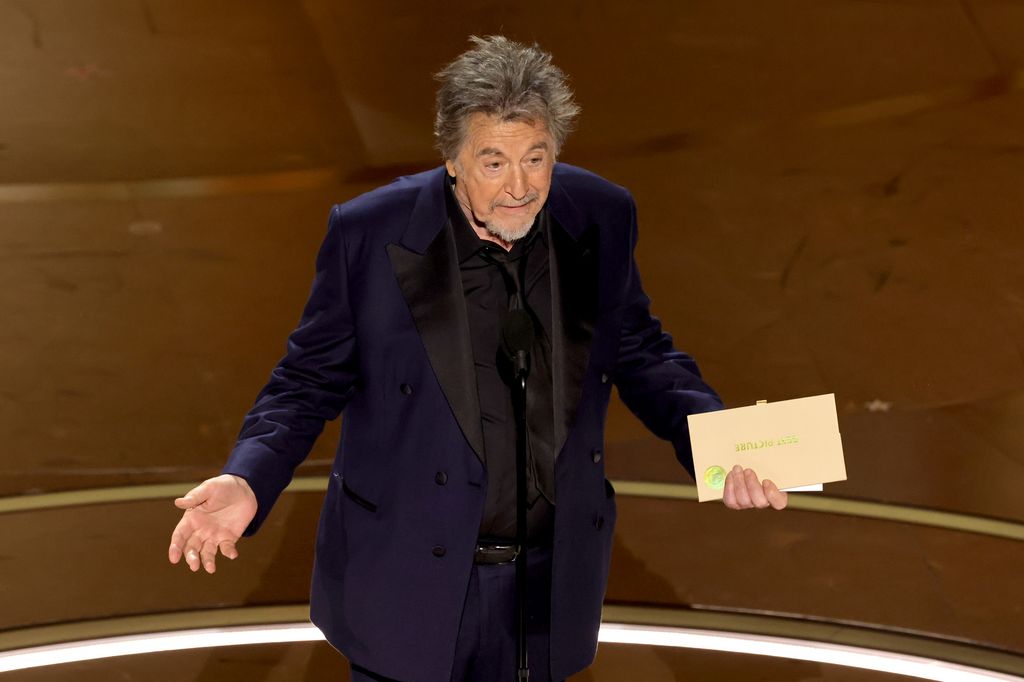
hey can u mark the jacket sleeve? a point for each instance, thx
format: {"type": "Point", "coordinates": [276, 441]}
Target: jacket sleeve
{"type": "Point", "coordinates": [309, 385]}
{"type": "Point", "coordinates": [658, 383]}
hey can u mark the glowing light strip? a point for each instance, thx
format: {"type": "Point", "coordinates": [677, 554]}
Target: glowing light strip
{"type": "Point", "coordinates": [823, 504]}
{"type": "Point", "coordinates": [218, 185]}
{"type": "Point", "coordinates": [109, 647]}
{"type": "Point", "coordinates": [820, 652]}
{"type": "Point", "coordinates": [610, 633]}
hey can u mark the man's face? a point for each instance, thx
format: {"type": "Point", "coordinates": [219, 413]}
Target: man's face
{"type": "Point", "coordinates": [503, 174]}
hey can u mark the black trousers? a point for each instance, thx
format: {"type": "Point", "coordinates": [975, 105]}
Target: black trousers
{"type": "Point", "coordinates": [486, 647]}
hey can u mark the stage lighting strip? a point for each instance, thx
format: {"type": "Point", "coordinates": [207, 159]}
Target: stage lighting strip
{"type": "Point", "coordinates": [830, 644]}
{"type": "Point", "coordinates": [216, 185]}
{"type": "Point", "coordinates": [823, 504]}
{"type": "Point", "coordinates": [810, 502]}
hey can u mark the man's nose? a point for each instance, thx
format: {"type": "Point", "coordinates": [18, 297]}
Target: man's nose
{"type": "Point", "coordinates": [517, 185]}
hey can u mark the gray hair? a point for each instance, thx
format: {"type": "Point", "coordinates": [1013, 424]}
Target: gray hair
{"type": "Point", "coordinates": [504, 79]}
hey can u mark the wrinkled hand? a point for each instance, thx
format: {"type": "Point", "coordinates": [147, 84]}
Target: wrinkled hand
{"type": "Point", "coordinates": [744, 490]}
{"type": "Point", "coordinates": [217, 512]}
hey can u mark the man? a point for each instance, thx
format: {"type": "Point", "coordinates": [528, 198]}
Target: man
{"type": "Point", "coordinates": [414, 552]}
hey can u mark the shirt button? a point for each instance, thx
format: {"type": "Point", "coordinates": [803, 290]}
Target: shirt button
{"type": "Point", "coordinates": [604, 378]}
{"type": "Point", "coordinates": [406, 389]}
{"type": "Point", "coordinates": [440, 478]}
{"type": "Point", "coordinates": [439, 551]}
{"type": "Point", "coordinates": [596, 455]}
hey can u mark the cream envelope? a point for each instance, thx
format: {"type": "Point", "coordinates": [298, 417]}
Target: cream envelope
{"type": "Point", "coordinates": [792, 442]}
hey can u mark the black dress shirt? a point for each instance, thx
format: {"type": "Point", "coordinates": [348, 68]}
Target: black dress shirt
{"type": "Point", "coordinates": [487, 292]}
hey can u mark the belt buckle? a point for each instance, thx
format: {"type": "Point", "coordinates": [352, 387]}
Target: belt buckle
{"type": "Point", "coordinates": [495, 554]}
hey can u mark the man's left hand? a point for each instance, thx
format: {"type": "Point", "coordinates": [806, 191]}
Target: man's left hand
{"type": "Point", "coordinates": [744, 490]}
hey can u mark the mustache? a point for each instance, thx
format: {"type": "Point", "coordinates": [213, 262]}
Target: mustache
{"type": "Point", "coordinates": [532, 196]}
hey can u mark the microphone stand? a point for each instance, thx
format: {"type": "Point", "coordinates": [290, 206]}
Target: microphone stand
{"type": "Point", "coordinates": [517, 336]}
{"type": "Point", "coordinates": [522, 368]}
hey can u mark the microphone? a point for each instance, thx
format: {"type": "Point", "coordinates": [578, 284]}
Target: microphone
{"type": "Point", "coordinates": [517, 335]}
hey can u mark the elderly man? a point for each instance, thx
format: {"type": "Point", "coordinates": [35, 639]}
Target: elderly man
{"type": "Point", "coordinates": [413, 578]}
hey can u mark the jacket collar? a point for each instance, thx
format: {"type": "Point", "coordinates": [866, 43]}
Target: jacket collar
{"type": "Point", "coordinates": [425, 263]}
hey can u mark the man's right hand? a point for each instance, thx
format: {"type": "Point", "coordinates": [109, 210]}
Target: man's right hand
{"type": "Point", "coordinates": [217, 512]}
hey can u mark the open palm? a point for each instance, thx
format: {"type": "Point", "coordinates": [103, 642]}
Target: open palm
{"type": "Point", "coordinates": [217, 512]}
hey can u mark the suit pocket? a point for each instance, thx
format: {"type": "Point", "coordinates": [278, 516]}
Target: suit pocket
{"type": "Point", "coordinates": [357, 498]}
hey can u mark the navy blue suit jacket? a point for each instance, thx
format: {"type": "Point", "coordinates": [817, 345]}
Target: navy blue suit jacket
{"type": "Point", "coordinates": [384, 337]}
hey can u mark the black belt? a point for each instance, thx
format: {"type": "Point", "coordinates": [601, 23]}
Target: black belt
{"type": "Point", "coordinates": [492, 554]}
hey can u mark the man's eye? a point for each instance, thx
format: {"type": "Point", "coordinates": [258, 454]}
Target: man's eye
{"type": "Point", "coordinates": [494, 165]}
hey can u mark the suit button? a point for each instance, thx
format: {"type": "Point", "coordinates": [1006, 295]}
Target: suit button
{"type": "Point", "coordinates": [439, 551]}
{"type": "Point", "coordinates": [604, 378]}
{"type": "Point", "coordinates": [406, 389]}
{"type": "Point", "coordinates": [440, 478]}
{"type": "Point", "coordinates": [599, 522]}
{"type": "Point", "coordinates": [596, 455]}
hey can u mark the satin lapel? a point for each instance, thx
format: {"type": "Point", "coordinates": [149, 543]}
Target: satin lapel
{"type": "Point", "coordinates": [432, 289]}
{"type": "Point", "coordinates": [574, 292]}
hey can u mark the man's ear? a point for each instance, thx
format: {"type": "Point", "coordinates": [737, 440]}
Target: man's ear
{"type": "Point", "coordinates": [450, 165]}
